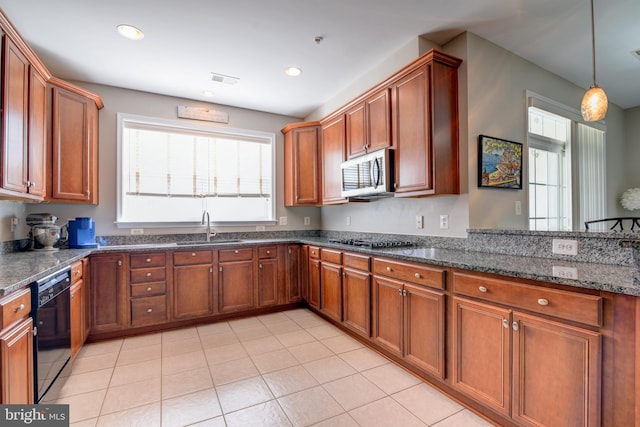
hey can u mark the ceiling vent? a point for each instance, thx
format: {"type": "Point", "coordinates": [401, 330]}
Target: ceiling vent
{"type": "Point", "coordinates": [221, 78]}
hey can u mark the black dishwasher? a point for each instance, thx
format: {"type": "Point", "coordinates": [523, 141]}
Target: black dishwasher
{"type": "Point", "coordinates": [52, 338]}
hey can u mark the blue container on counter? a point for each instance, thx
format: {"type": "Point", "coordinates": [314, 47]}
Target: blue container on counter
{"type": "Point", "coordinates": [82, 233]}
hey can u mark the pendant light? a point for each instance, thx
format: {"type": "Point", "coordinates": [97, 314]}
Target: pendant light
{"type": "Point", "coordinates": [594, 103]}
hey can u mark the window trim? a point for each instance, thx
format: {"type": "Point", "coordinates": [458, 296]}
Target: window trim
{"type": "Point", "coordinates": [122, 118]}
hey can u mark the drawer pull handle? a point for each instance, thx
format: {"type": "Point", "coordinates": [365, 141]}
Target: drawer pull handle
{"type": "Point", "coordinates": [482, 289]}
{"type": "Point", "coordinates": [148, 274]}
{"type": "Point", "coordinates": [505, 323]}
{"type": "Point", "coordinates": [417, 276]}
{"type": "Point", "coordinates": [148, 260]}
{"type": "Point", "coordinates": [543, 301]}
{"type": "Point", "coordinates": [149, 289]}
{"type": "Point", "coordinates": [389, 269]}
{"type": "Point", "coordinates": [149, 310]}
{"type": "Point", "coordinates": [20, 308]}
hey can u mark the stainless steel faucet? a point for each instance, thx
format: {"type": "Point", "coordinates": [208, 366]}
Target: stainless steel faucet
{"type": "Point", "coordinates": [210, 234]}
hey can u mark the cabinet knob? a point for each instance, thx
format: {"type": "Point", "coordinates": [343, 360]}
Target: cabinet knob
{"type": "Point", "coordinates": [149, 310]}
{"type": "Point", "coordinates": [149, 289]}
{"type": "Point", "coordinates": [78, 272]}
{"type": "Point", "coordinates": [268, 252]}
{"type": "Point", "coordinates": [399, 291]}
{"type": "Point", "coordinates": [543, 301]}
{"type": "Point", "coordinates": [505, 323]}
{"type": "Point", "coordinates": [20, 308]}
{"type": "Point", "coordinates": [193, 254]}
{"type": "Point", "coordinates": [515, 326]}
{"type": "Point", "coordinates": [148, 260]}
{"type": "Point", "coordinates": [417, 276]}
{"type": "Point", "coordinates": [389, 269]}
{"type": "Point", "coordinates": [482, 289]}
{"type": "Point", "coordinates": [148, 274]}
{"type": "Point", "coordinates": [260, 265]}
{"type": "Point", "coordinates": [236, 251]}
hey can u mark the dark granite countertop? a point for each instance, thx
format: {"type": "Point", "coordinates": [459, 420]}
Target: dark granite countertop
{"type": "Point", "coordinates": [19, 269]}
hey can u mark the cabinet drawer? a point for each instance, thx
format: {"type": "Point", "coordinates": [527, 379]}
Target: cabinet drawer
{"type": "Point", "coordinates": [236, 254]}
{"type": "Point", "coordinates": [192, 257]}
{"type": "Point", "coordinates": [567, 305]}
{"type": "Point", "coordinates": [147, 289]}
{"type": "Point", "coordinates": [15, 306]}
{"type": "Point", "coordinates": [410, 272]}
{"type": "Point", "coordinates": [145, 311]}
{"type": "Point", "coordinates": [331, 255]}
{"type": "Point", "coordinates": [76, 271]}
{"type": "Point", "coordinates": [142, 275]}
{"type": "Point", "coordinates": [314, 252]}
{"type": "Point", "coordinates": [359, 262]}
{"type": "Point", "coordinates": [157, 259]}
{"type": "Point", "coordinates": [267, 252]}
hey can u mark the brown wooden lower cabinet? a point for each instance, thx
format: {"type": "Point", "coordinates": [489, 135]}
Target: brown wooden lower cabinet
{"type": "Point", "coordinates": [356, 300]}
{"type": "Point", "coordinates": [78, 308]}
{"type": "Point", "coordinates": [108, 293]}
{"type": "Point", "coordinates": [331, 290]}
{"type": "Point", "coordinates": [539, 372]}
{"type": "Point", "coordinates": [192, 291]}
{"type": "Point", "coordinates": [16, 361]}
{"type": "Point", "coordinates": [236, 286]}
{"type": "Point", "coordinates": [313, 297]}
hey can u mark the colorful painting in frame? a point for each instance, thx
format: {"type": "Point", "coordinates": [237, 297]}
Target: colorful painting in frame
{"type": "Point", "coordinates": [499, 163]}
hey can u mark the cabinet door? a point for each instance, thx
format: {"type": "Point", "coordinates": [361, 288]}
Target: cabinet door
{"type": "Point", "coordinates": [293, 279]}
{"type": "Point", "coordinates": [16, 363]}
{"type": "Point", "coordinates": [15, 93]}
{"type": "Point", "coordinates": [192, 291]}
{"type": "Point", "coordinates": [37, 163]}
{"type": "Point", "coordinates": [236, 286]}
{"type": "Point", "coordinates": [356, 301]}
{"type": "Point", "coordinates": [424, 329]}
{"type": "Point", "coordinates": [379, 120]}
{"type": "Point", "coordinates": [267, 282]}
{"type": "Point", "coordinates": [333, 147]}
{"type": "Point", "coordinates": [109, 306]}
{"type": "Point", "coordinates": [413, 144]}
{"type": "Point", "coordinates": [302, 167]}
{"type": "Point", "coordinates": [481, 353]}
{"type": "Point", "coordinates": [86, 274]}
{"type": "Point", "coordinates": [77, 317]}
{"type": "Point", "coordinates": [387, 306]}
{"type": "Point", "coordinates": [356, 130]}
{"type": "Point", "coordinates": [74, 147]}
{"type": "Point", "coordinates": [314, 283]}
{"type": "Point", "coordinates": [556, 373]}
{"type": "Point", "coordinates": [331, 290]}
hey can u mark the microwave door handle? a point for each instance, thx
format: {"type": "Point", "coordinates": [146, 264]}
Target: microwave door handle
{"type": "Point", "coordinates": [375, 173]}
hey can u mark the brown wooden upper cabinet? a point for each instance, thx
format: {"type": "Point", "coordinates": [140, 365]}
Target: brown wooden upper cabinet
{"type": "Point", "coordinates": [302, 164]}
{"type": "Point", "coordinates": [74, 143]}
{"type": "Point", "coordinates": [369, 124]}
{"type": "Point", "coordinates": [24, 118]}
{"type": "Point", "coordinates": [332, 137]}
{"type": "Point", "coordinates": [425, 123]}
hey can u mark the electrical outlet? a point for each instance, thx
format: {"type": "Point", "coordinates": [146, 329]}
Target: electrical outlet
{"type": "Point", "coordinates": [14, 223]}
{"type": "Point", "coordinates": [565, 272]}
{"type": "Point", "coordinates": [260, 228]}
{"type": "Point", "coordinates": [283, 220]}
{"type": "Point", "coordinates": [565, 247]}
{"type": "Point", "coordinates": [419, 221]}
{"type": "Point", "coordinates": [348, 220]}
{"type": "Point", "coordinates": [137, 231]}
{"type": "Point", "coordinates": [518, 207]}
{"type": "Point", "coordinates": [307, 220]}
{"type": "Point", "coordinates": [444, 222]}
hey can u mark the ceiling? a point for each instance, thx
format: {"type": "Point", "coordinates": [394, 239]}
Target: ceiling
{"type": "Point", "coordinates": [254, 40]}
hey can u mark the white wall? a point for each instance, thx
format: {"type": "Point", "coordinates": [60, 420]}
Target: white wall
{"type": "Point", "coordinates": [631, 157]}
{"type": "Point", "coordinates": [147, 104]}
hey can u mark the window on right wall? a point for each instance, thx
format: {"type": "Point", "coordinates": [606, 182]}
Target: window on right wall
{"type": "Point", "coordinates": [566, 165]}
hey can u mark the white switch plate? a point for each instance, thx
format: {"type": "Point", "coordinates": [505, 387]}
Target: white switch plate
{"type": "Point", "coordinates": [137, 231]}
{"type": "Point", "coordinates": [283, 220]}
{"type": "Point", "coordinates": [565, 272]}
{"type": "Point", "coordinates": [419, 221]}
{"type": "Point", "coordinates": [444, 222]}
{"type": "Point", "coordinates": [307, 220]}
{"type": "Point", "coordinates": [348, 220]}
{"type": "Point", "coordinates": [565, 247]}
{"type": "Point", "coordinates": [518, 207]}
{"type": "Point", "coordinates": [260, 228]}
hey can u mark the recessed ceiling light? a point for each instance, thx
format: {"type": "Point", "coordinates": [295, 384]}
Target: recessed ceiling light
{"type": "Point", "coordinates": [292, 71]}
{"type": "Point", "coordinates": [208, 93]}
{"type": "Point", "coordinates": [130, 32]}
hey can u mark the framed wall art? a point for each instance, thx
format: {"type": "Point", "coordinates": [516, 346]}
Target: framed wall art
{"type": "Point", "coordinates": [499, 163]}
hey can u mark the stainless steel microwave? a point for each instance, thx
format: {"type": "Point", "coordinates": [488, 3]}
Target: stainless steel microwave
{"type": "Point", "coordinates": [369, 175]}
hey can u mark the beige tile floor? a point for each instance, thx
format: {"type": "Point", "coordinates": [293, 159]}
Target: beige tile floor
{"type": "Point", "coordinates": [284, 369]}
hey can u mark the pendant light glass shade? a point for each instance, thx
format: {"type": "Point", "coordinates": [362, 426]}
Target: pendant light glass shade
{"type": "Point", "coordinates": [594, 104]}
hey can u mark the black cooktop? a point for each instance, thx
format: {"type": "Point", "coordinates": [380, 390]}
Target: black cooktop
{"type": "Point", "coordinates": [373, 243]}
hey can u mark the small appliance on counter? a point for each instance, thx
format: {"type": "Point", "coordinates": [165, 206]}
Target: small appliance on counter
{"type": "Point", "coordinates": [82, 233]}
{"type": "Point", "coordinates": [44, 232]}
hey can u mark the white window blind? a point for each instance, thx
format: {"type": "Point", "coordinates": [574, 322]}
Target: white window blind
{"type": "Point", "coordinates": [590, 154]}
{"type": "Point", "coordinates": [171, 172]}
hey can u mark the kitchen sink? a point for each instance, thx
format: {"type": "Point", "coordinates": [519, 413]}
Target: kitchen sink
{"type": "Point", "coordinates": [204, 242]}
